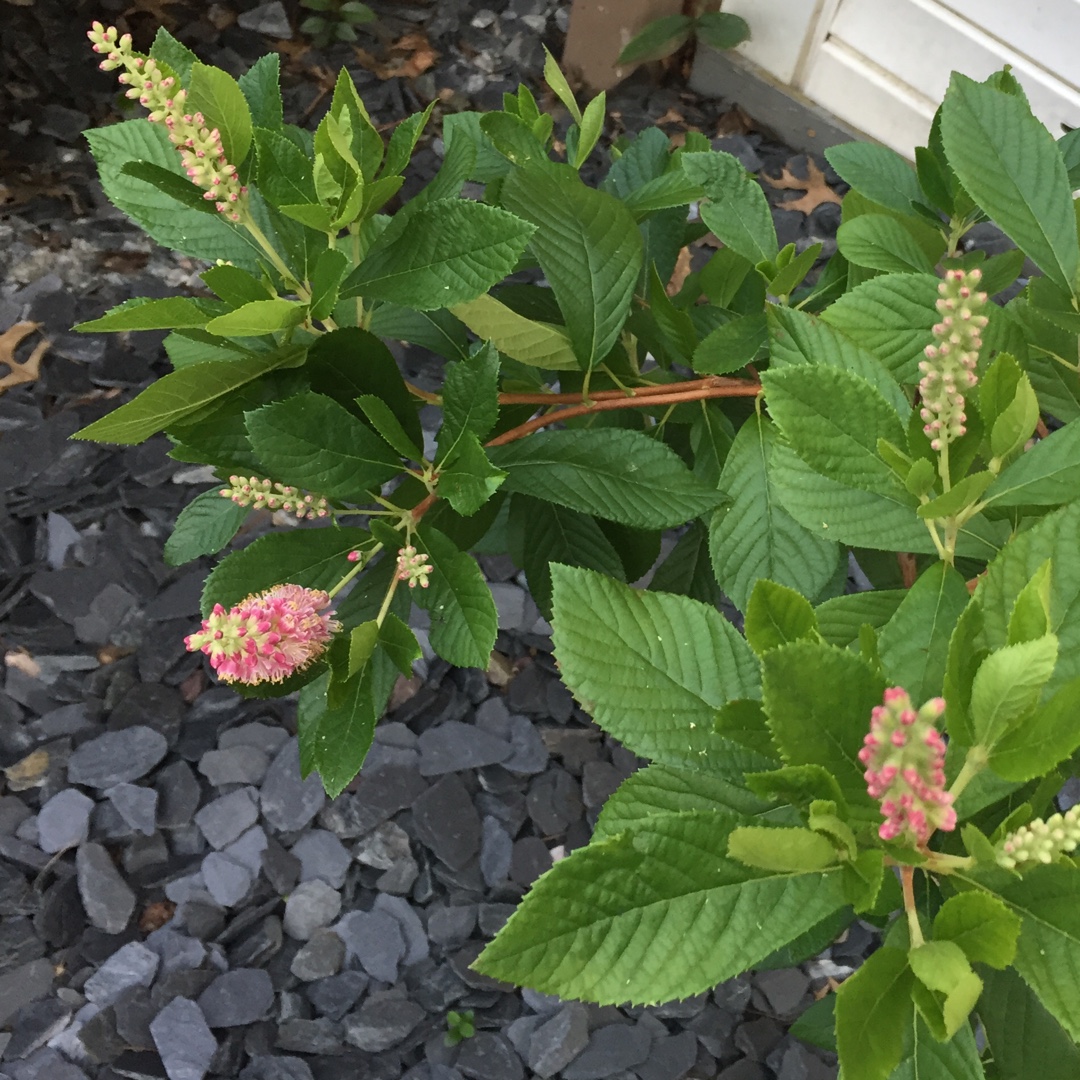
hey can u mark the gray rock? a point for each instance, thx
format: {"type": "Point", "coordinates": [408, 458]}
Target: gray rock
{"type": "Point", "coordinates": [266, 1067]}
{"type": "Point", "coordinates": [132, 965]}
{"type": "Point", "coordinates": [453, 746]}
{"type": "Point", "coordinates": [384, 1020]}
{"type": "Point", "coordinates": [289, 803]}
{"type": "Point", "coordinates": [177, 951]}
{"type": "Point", "coordinates": [412, 930]}
{"type": "Point", "coordinates": [387, 848]}
{"type": "Point", "coordinates": [136, 805]}
{"type": "Point", "coordinates": [375, 939]}
{"type": "Point", "coordinates": [496, 849]}
{"type": "Point", "coordinates": [758, 1038]}
{"type": "Point", "coordinates": [599, 779]}
{"type": "Point", "coordinates": [335, 996]}
{"type": "Point", "coordinates": [310, 906]}
{"type": "Point", "coordinates": [520, 1032]}
{"type": "Point", "coordinates": [262, 736]}
{"type": "Point", "coordinates": [784, 990]}
{"type": "Point", "coordinates": [451, 924]}
{"type": "Point", "coordinates": [223, 820]}
{"type": "Point", "coordinates": [116, 757]}
{"type": "Point", "coordinates": [183, 1039]}
{"type": "Point", "coordinates": [281, 867]}
{"type": "Point", "coordinates": [380, 793]}
{"type": "Point", "coordinates": [322, 856]}
{"type": "Point", "coordinates": [320, 1036]}
{"type": "Point", "coordinates": [237, 997]}
{"type": "Point", "coordinates": [269, 19]}
{"type": "Point", "coordinates": [611, 1049]}
{"type": "Point", "coordinates": [513, 605]}
{"type": "Point", "coordinates": [133, 1014]}
{"type": "Point", "coordinates": [744, 1069]}
{"type": "Point", "coordinates": [105, 895]}
{"type": "Point", "coordinates": [530, 859]}
{"type": "Point", "coordinates": [489, 1057]}
{"type": "Point", "coordinates": [23, 984]}
{"type": "Point", "coordinates": [554, 801]}
{"type": "Point", "coordinates": [493, 917]}
{"type": "Point", "coordinates": [64, 821]}
{"type": "Point", "coordinates": [228, 882]}
{"type": "Point", "coordinates": [447, 822]}
{"type": "Point", "coordinates": [183, 888]}
{"type": "Point", "coordinates": [320, 958]}
{"type": "Point", "coordinates": [234, 765]}
{"type": "Point", "coordinates": [248, 850]}
{"type": "Point", "coordinates": [46, 1064]}
{"type": "Point", "coordinates": [671, 1057]}
{"type": "Point", "coordinates": [178, 795]}
{"type": "Point", "coordinates": [558, 1041]}
{"type": "Point", "coordinates": [528, 754]}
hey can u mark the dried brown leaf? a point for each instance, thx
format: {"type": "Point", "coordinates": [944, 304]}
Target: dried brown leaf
{"type": "Point", "coordinates": [24, 371]}
{"type": "Point", "coordinates": [816, 190]}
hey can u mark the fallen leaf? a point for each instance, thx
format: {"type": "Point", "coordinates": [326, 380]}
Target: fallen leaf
{"type": "Point", "coordinates": [500, 670]}
{"type": "Point", "coordinates": [156, 915]}
{"type": "Point", "coordinates": [109, 654]}
{"type": "Point", "coordinates": [29, 369]}
{"type": "Point", "coordinates": [680, 273]}
{"type": "Point", "coordinates": [734, 122]}
{"type": "Point", "coordinates": [22, 661]}
{"type": "Point", "coordinates": [193, 685]}
{"type": "Point", "coordinates": [406, 58]}
{"type": "Point", "coordinates": [156, 8]}
{"type": "Point", "coordinates": [29, 771]}
{"type": "Point", "coordinates": [404, 690]}
{"type": "Point", "coordinates": [817, 191]}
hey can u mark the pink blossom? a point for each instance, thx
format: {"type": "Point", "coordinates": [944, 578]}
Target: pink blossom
{"type": "Point", "coordinates": [266, 637]}
{"type": "Point", "coordinates": [905, 758]}
{"type": "Point", "coordinates": [413, 567]}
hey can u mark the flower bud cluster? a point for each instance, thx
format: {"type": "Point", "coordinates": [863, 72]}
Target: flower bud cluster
{"type": "Point", "coordinates": [201, 149]}
{"type": "Point", "coordinates": [905, 759]}
{"type": "Point", "coordinates": [949, 367]}
{"type": "Point", "coordinates": [251, 491]}
{"type": "Point", "coordinates": [1041, 841]}
{"type": "Point", "coordinates": [413, 567]}
{"type": "Point", "coordinates": [268, 636]}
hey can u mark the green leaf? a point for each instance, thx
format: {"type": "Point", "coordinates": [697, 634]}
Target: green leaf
{"type": "Point", "coordinates": [792, 275]}
{"type": "Point", "coordinates": [673, 189]}
{"type": "Point", "coordinates": [142, 313]}
{"type": "Point", "coordinates": [877, 172]}
{"type": "Point", "coordinates": [1025, 1040]}
{"type": "Point", "coordinates": [326, 277]}
{"type": "Point", "coordinates": [554, 77]}
{"type": "Point", "coordinates": [797, 785]}
{"type": "Point", "coordinates": [590, 250]}
{"type": "Point", "coordinates": [925, 1057]}
{"type": "Point", "coordinates": [839, 619]}
{"type": "Point", "coordinates": [981, 925]}
{"type": "Point", "coordinates": [261, 88]}
{"type": "Point", "coordinates": [784, 850]}
{"type": "Point", "coordinates": [1030, 616]}
{"type": "Point", "coordinates": [514, 139]}
{"type": "Point", "coordinates": [382, 419]}
{"type": "Point", "coordinates": [653, 669]}
{"type": "Point", "coordinates": [1007, 687]}
{"type": "Point", "coordinates": [871, 1013]}
{"type": "Point", "coordinates": [687, 570]}
{"type": "Point", "coordinates": [721, 29]}
{"type": "Point", "coordinates": [284, 173]}
{"type": "Point", "coordinates": [737, 211]}
{"type": "Point", "coordinates": [777, 615]}
{"type": "Point", "coordinates": [470, 398]}
{"type": "Point", "coordinates": [1046, 475]}
{"type": "Point", "coordinates": [534, 343]}
{"type": "Point", "coordinates": [438, 331]}
{"type": "Point", "coordinates": [1043, 740]}
{"type": "Point", "coordinates": [817, 1026]}
{"type": "Point", "coordinates": [880, 242]}
{"type": "Point", "coordinates": [661, 37]}
{"type": "Point", "coordinates": [217, 95]}
{"type": "Point", "coordinates": [167, 50]}
{"type": "Point", "coordinates": [313, 442]}
{"type": "Point", "coordinates": [914, 643]}
{"type": "Point", "coordinates": [204, 527]}
{"type": "Point", "coordinates": [446, 253]}
{"type": "Point", "coordinates": [818, 699]}
{"type": "Point", "coordinates": [731, 346]}
{"type": "Point", "coordinates": [592, 127]}
{"type": "Point", "coordinates": [182, 393]}
{"type": "Point", "coordinates": [959, 497]}
{"type": "Point", "coordinates": [463, 616]}
{"type": "Point", "coordinates": [1009, 163]}
{"type": "Point", "coordinates": [467, 479]}
{"type": "Point", "coordinates": [541, 533]}
{"type": "Point", "coordinates": [755, 537]}
{"type": "Point", "coordinates": [890, 316]}
{"type": "Point", "coordinates": [313, 558]}
{"type": "Point", "coordinates": [170, 184]}
{"type": "Point", "coordinates": [258, 318]}
{"type": "Point", "coordinates": [235, 286]}
{"type": "Point", "coordinates": [399, 643]}
{"type": "Point", "coordinates": [653, 914]}
{"type": "Point", "coordinates": [679, 336]}
{"type": "Point", "coordinates": [833, 420]}
{"type": "Point", "coordinates": [1008, 406]}
{"type": "Point", "coordinates": [621, 475]}
{"type": "Point", "coordinates": [947, 989]}
{"type": "Point", "coordinates": [661, 790]}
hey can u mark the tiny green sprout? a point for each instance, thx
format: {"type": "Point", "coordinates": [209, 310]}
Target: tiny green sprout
{"type": "Point", "coordinates": [459, 1026]}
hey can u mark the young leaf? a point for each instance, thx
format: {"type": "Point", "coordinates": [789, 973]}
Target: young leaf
{"type": "Point", "coordinates": [592, 127]}
{"type": "Point", "coordinates": [142, 313]}
{"type": "Point", "coordinates": [1007, 687]}
{"type": "Point", "coordinates": [623, 476]}
{"type": "Point", "coordinates": [818, 699]}
{"type": "Point", "coordinates": [463, 616]}
{"type": "Point", "coordinates": [656, 913]}
{"type": "Point", "coordinates": [755, 537]}
{"type": "Point", "coordinates": [795, 851]}
{"type": "Point", "coordinates": [776, 615]}
{"type": "Point", "coordinates": [924, 1056]}
{"type": "Point", "coordinates": [792, 275]}
{"type": "Point", "coordinates": [798, 785]}
{"type": "Point", "coordinates": [1048, 737]}
{"type": "Point", "coordinates": [446, 253]}
{"type": "Point", "coordinates": [313, 442]}
{"type": "Point", "coordinates": [313, 558]}
{"type": "Point", "coordinates": [877, 172]}
{"type": "Point", "coordinates": [914, 643]}
{"type": "Point", "coordinates": [653, 669]}
{"type": "Point", "coordinates": [721, 29]}
{"type": "Point", "coordinates": [554, 77]}
{"type": "Point", "coordinates": [1047, 475]}
{"type": "Point", "coordinates": [880, 242]}
{"type": "Point", "coordinates": [216, 94]}
{"type": "Point", "coordinates": [326, 277]}
{"type": "Point", "coordinates": [257, 318]}
{"type": "Point", "coordinates": [736, 211]}
{"type": "Point", "coordinates": [872, 1009]}
{"type": "Point", "coordinates": [534, 343]}
{"type": "Point", "coordinates": [182, 393]}
{"type": "Point", "coordinates": [981, 925]}
{"type": "Point", "coordinates": [1009, 163]}
{"type": "Point", "coordinates": [204, 527]}
{"type": "Point", "coordinates": [167, 50]}
{"type": "Point", "coordinates": [959, 497]}
{"type": "Point", "coordinates": [261, 88]}
{"type": "Point", "coordinates": [947, 989]}
{"type": "Point", "coordinates": [839, 619]}
{"type": "Point", "coordinates": [1030, 616]}
{"type": "Point", "coordinates": [661, 37]}
{"type": "Point", "coordinates": [514, 139]}
{"type": "Point", "coordinates": [589, 248]}
{"type": "Point", "coordinates": [235, 286]}
{"type": "Point", "coordinates": [467, 479]}
{"type": "Point", "coordinates": [470, 398]}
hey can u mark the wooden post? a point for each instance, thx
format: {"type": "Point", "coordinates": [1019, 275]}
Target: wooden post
{"type": "Point", "coordinates": [599, 31]}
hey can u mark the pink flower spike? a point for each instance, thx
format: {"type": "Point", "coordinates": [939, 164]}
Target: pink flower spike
{"type": "Point", "coordinates": [266, 637]}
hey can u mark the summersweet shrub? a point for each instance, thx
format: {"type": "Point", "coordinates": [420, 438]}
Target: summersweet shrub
{"type": "Point", "coordinates": [892, 751]}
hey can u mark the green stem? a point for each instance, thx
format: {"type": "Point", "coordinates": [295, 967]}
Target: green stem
{"type": "Point", "coordinates": [286, 274]}
{"type": "Point", "coordinates": [365, 558]}
{"type": "Point", "coordinates": [387, 600]}
{"type": "Point", "coordinates": [940, 863]}
{"type": "Point", "coordinates": [907, 877]}
{"type": "Point", "coordinates": [974, 764]}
